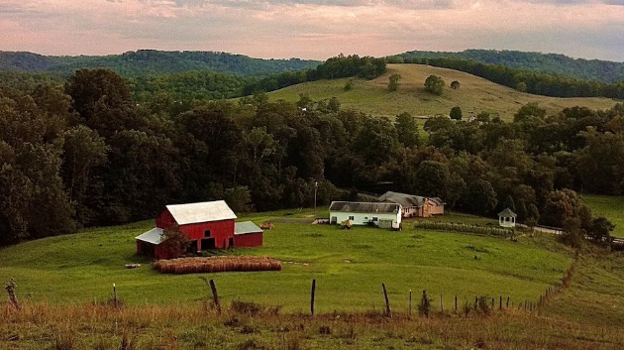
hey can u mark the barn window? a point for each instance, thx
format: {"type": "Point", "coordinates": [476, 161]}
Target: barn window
{"type": "Point", "coordinates": [207, 233]}
{"type": "Point", "coordinates": [375, 218]}
{"type": "Point", "coordinates": [351, 217]}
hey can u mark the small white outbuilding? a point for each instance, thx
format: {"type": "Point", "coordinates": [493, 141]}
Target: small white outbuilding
{"type": "Point", "coordinates": [365, 213]}
{"type": "Point", "coordinates": [507, 218]}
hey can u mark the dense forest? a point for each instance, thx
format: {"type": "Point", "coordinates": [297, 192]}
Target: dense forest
{"type": "Point", "coordinates": [197, 85]}
{"type": "Point", "coordinates": [557, 64]}
{"type": "Point", "coordinates": [152, 62]}
{"type": "Point", "coordinates": [86, 154]}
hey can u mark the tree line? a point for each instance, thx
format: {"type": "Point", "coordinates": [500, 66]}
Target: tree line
{"type": "Point", "coordinates": [604, 71]}
{"type": "Point", "coordinates": [86, 154]}
{"type": "Point", "coordinates": [525, 80]}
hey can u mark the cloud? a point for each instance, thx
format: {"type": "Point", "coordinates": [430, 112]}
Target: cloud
{"type": "Point", "coordinates": [313, 28]}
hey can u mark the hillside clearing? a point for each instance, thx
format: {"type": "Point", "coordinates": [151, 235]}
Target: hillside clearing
{"type": "Point", "coordinates": [349, 266]}
{"type": "Point", "coordinates": [474, 96]}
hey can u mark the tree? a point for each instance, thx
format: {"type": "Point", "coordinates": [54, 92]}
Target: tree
{"type": "Point", "coordinates": [480, 197]}
{"type": "Point", "coordinates": [456, 113]}
{"type": "Point", "coordinates": [522, 87]}
{"type": "Point", "coordinates": [533, 212]}
{"type": "Point", "coordinates": [601, 230]}
{"type": "Point", "coordinates": [531, 109]}
{"type": "Point", "coordinates": [455, 85]}
{"type": "Point", "coordinates": [175, 242]}
{"type": "Point", "coordinates": [431, 179]}
{"type": "Point", "coordinates": [509, 203]}
{"type": "Point", "coordinates": [434, 84]}
{"type": "Point", "coordinates": [348, 85]}
{"type": "Point", "coordinates": [394, 82]}
{"type": "Point", "coordinates": [407, 130]}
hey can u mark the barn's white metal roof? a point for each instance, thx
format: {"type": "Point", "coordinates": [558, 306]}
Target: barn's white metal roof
{"type": "Point", "coordinates": [192, 213]}
{"type": "Point", "coordinates": [241, 228]}
{"type": "Point", "coordinates": [153, 236]}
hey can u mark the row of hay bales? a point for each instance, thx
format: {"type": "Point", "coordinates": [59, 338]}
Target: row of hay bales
{"type": "Point", "coordinates": [218, 264]}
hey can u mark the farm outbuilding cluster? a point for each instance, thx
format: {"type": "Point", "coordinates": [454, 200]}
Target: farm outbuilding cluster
{"type": "Point", "coordinates": [208, 225]}
{"type": "Point", "coordinates": [415, 206]}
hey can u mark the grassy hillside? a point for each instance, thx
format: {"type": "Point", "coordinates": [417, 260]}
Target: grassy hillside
{"type": "Point", "coordinates": [611, 207]}
{"type": "Point", "coordinates": [474, 96]}
{"type": "Point", "coordinates": [349, 266]}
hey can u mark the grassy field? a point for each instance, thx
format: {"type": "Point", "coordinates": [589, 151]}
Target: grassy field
{"type": "Point", "coordinates": [349, 266]}
{"type": "Point", "coordinates": [474, 96]}
{"type": "Point", "coordinates": [611, 207]}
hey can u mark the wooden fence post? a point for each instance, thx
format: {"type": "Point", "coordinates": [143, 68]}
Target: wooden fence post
{"type": "Point", "coordinates": [500, 303]}
{"type": "Point", "coordinates": [441, 304]}
{"type": "Point", "coordinates": [114, 295]}
{"type": "Point", "coordinates": [388, 312]}
{"type": "Point", "coordinates": [456, 304]}
{"type": "Point", "coordinates": [409, 310]}
{"type": "Point", "coordinates": [10, 288]}
{"type": "Point", "coordinates": [312, 294]}
{"type": "Point", "coordinates": [507, 303]}
{"type": "Point", "coordinates": [215, 296]}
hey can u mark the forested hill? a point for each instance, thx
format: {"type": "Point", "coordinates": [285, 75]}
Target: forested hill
{"type": "Point", "coordinates": [152, 62]}
{"type": "Point", "coordinates": [605, 71]}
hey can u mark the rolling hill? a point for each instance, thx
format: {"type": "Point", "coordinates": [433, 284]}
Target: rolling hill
{"type": "Point", "coordinates": [605, 71]}
{"type": "Point", "coordinates": [474, 96]}
{"type": "Point", "coordinates": [151, 62]}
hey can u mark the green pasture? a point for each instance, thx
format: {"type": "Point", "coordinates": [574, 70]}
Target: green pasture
{"type": "Point", "coordinates": [474, 96]}
{"type": "Point", "coordinates": [611, 207]}
{"type": "Point", "coordinates": [349, 266]}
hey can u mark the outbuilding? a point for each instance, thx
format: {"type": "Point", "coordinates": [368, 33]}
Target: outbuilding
{"type": "Point", "coordinates": [507, 218]}
{"type": "Point", "coordinates": [208, 225]}
{"type": "Point", "coordinates": [414, 206]}
{"type": "Point", "coordinates": [365, 213]}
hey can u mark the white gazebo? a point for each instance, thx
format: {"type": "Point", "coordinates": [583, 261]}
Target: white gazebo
{"type": "Point", "coordinates": [507, 218]}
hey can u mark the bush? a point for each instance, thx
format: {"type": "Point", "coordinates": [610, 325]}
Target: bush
{"type": "Point", "coordinates": [434, 84]}
{"type": "Point", "coordinates": [456, 113]}
{"type": "Point", "coordinates": [425, 305]}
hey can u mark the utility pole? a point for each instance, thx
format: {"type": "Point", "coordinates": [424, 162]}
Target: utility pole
{"type": "Point", "coordinates": [315, 190]}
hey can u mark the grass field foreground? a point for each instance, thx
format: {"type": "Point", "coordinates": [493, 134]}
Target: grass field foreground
{"type": "Point", "coordinates": [349, 266]}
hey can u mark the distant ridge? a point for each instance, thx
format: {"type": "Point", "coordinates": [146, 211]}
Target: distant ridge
{"type": "Point", "coordinates": [152, 62]}
{"type": "Point", "coordinates": [605, 71]}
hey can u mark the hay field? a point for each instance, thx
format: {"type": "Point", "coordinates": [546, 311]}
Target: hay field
{"type": "Point", "coordinates": [475, 94]}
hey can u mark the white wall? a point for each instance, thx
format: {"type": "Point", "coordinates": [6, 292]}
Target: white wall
{"type": "Point", "coordinates": [364, 218]}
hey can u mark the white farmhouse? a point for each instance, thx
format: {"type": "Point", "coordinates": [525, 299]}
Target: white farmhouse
{"type": "Point", "coordinates": [365, 213]}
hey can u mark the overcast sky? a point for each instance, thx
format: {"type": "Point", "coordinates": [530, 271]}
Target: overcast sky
{"type": "Point", "coordinates": [315, 29]}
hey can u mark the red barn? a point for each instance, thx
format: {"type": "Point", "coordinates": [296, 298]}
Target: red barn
{"type": "Point", "coordinates": [209, 225]}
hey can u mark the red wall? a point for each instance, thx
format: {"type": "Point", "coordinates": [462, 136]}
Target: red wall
{"type": "Point", "coordinates": [248, 240]}
{"type": "Point", "coordinates": [165, 220]}
{"type": "Point", "coordinates": [222, 230]}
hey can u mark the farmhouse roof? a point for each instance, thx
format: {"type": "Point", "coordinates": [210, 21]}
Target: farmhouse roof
{"type": "Point", "coordinates": [153, 236]}
{"type": "Point", "coordinates": [507, 213]}
{"type": "Point", "coordinates": [406, 200]}
{"type": "Point", "coordinates": [437, 200]}
{"type": "Point", "coordinates": [241, 228]}
{"type": "Point", "coordinates": [365, 207]}
{"type": "Point", "coordinates": [201, 212]}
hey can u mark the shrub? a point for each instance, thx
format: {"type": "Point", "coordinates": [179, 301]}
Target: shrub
{"type": "Point", "coordinates": [425, 305]}
{"type": "Point", "coordinates": [434, 84]}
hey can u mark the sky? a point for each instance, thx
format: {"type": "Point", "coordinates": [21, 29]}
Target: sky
{"type": "Point", "coordinates": [313, 29]}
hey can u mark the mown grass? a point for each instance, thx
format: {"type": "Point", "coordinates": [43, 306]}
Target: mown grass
{"type": "Point", "coordinates": [349, 266]}
{"type": "Point", "coordinates": [475, 95]}
{"type": "Point", "coordinates": [611, 207]}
